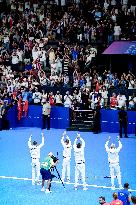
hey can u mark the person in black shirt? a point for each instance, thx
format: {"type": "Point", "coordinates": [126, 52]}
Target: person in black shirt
{"type": "Point", "coordinates": [123, 120]}
{"type": "Point", "coordinates": [97, 120]}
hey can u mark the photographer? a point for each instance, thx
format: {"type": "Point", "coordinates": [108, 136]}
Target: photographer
{"type": "Point", "coordinates": [49, 162]}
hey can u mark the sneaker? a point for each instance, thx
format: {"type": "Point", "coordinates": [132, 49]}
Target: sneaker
{"type": "Point", "coordinates": [113, 187]}
{"type": "Point", "coordinates": [43, 189]}
{"type": "Point", "coordinates": [85, 188]}
{"type": "Point", "coordinates": [68, 180]}
{"type": "Point", "coordinates": [38, 183]}
{"type": "Point", "coordinates": [47, 191]}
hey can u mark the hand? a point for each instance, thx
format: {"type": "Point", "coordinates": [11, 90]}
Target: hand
{"type": "Point", "coordinates": [78, 135]}
{"type": "Point", "coordinates": [109, 138]}
{"type": "Point", "coordinates": [64, 133]}
{"type": "Point", "coordinates": [118, 138]}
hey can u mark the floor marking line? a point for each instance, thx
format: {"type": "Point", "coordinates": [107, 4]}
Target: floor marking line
{"type": "Point", "coordinates": [59, 182]}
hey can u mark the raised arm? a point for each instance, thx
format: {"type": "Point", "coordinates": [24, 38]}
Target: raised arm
{"type": "Point", "coordinates": [41, 145]}
{"type": "Point", "coordinates": [106, 145]}
{"type": "Point", "coordinates": [120, 144]}
{"type": "Point", "coordinates": [29, 141]}
{"type": "Point", "coordinates": [83, 142]}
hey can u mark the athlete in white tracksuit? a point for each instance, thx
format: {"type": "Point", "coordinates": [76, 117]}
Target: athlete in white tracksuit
{"type": "Point", "coordinates": [113, 159]}
{"type": "Point", "coordinates": [66, 156]}
{"type": "Point", "coordinates": [79, 161]}
{"type": "Point", "coordinates": [35, 155]}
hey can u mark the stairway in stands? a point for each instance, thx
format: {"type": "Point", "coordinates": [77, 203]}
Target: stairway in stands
{"type": "Point", "coordinates": [81, 120]}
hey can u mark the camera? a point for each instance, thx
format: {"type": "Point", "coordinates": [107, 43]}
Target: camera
{"type": "Point", "coordinates": [55, 159]}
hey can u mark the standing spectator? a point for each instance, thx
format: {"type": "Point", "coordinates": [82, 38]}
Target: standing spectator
{"type": "Point", "coordinates": [123, 120]}
{"type": "Point", "coordinates": [102, 200]}
{"type": "Point", "coordinates": [133, 198]}
{"type": "Point", "coordinates": [116, 201]}
{"type": "Point", "coordinates": [124, 195]}
{"type": "Point", "coordinates": [97, 120]}
{"type": "Point", "coordinates": [37, 96]}
{"type": "Point", "coordinates": [46, 110]}
{"type": "Point", "coordinates": [113, 101]}
{"type": "Point", "coordinates": [58, 99]}
{"type": "Point", "coordinates": [117, 32]}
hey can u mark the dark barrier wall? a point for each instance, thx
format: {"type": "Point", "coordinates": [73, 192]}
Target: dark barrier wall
{"type": "Point", "coordinates": [109, 121]}
{"type": "Point", "coordinates": [60, 119]}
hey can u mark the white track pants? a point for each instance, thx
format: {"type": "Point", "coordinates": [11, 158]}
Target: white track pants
{"type": "Point", "coordinates": [115, 171]}
{"type": "Point", "coordinates": [66, 168]}
{"type": "Point", "coordinates": [35, 171]}
{"type": "Point", "coordinates": [80, 171]}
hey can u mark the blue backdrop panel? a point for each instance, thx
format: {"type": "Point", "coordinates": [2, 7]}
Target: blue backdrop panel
{"type": "Point", "coordinates": [59, 117]}
{"type": "Point", "coordinates": [110, 122]}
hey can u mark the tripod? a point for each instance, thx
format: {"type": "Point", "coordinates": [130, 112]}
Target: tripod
{"type": "Point", "coordinates": [58, 176]}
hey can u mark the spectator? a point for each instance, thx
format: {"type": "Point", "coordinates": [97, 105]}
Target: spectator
{"type": "Point", "coordinates": [116, 201]}
{"type": "Point", "coordinates": [102, 200]}
{"type": "Point", "coordinates": [124, 195]}
{"type": "Point", "coordinates": [133, 198]}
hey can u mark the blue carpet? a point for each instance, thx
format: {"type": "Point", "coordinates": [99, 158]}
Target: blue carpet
{"type": "Point", "coordinates": [15, 161]}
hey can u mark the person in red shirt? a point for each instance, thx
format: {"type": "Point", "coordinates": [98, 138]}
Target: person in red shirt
{"type": "Point", "coordinates": [25, 107]}
{"type": "Point", "coordinates": [113, 101]}
{"type": "Point", "coordinates": [19, 108]}
{"type": "Point", "coordinates": [102, 200]}
{"type": "Point", "coordinates": [116, 201]}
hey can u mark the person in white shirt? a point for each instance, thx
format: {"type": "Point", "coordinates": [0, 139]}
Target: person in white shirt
{"type": "Point", "coordinates": [35, 155]}
{"type": "Point", "coordinates": [121, 100]}
{"type": "Point", "coordinates": [58, 99]}
{"type": "Point", "coordinates": [80, 161]}
{"type": "Point", "coordinates": [67, 100]}
{"type": "Point", "coordinates": [37, 96]}
{"type": "Point", "coordinates": [113, 160]}
{"type": "Point", "coordinates": [117, 32]}
{"type": "Point", "coordinates": [66, 156]}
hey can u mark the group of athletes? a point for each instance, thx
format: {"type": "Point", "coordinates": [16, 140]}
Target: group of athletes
{"type": "Point", "coordinates": [49, 163]}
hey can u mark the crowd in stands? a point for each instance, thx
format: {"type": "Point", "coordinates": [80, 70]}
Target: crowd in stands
{"type": "Point", "coordinates": [78, 31]}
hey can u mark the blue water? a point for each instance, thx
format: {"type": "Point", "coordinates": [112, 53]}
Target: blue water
{"type": "Point", "coordinates": [15, 161]}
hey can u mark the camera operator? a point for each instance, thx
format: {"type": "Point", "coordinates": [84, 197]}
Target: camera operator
{"type": "Point", "coordinates": [49, 162]}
